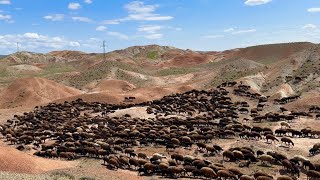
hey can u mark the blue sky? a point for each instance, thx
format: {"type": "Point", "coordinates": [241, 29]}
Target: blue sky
{"type": "Point", "coordinates": [47, 25]}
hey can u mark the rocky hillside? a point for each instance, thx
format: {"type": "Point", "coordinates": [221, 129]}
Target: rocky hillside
{"type": "Point", "coordinates": [151, 71]}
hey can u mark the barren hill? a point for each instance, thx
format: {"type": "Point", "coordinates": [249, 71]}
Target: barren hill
{"type": "Point", "coordinates": [286, 69]}
{"type": "Point", "coordinates": [34, 91]}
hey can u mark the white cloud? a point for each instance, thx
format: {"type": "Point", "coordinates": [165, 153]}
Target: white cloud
{"type": "Point", "coordinates": [149, 28]}
{"type": "Point", "coordinates": [229, 30]}
{"type": "Point", "coordinates": [213, 36]}
{"type": "Point", "coordinates": [138, 11]}
{"type": "Point", "coordinates": [154, 36]}
{"type": "Point", "coordinates": [54, 17]}
{"type": "Point", "coordinates": [74, 44]}
{"type": "Point", "coordinates": [82, 19]}
{"type": "Point", "coordinates": [6, 18]}
{"type": "Point", "coordinates": [31, 35]}
{"type": "Point", "coordinates": [110, 22]}
{"type": "Point", "coordinates": [101, 28]}
{"type": "Point", "coordinates": [74, 6]}
{"type": "Point", "coordinates": [88, 1]}
{"type": "Point", "coordinates": [313, 10]}
{"type": "Point", "coordinates": [5, 2]}
{"type": "Point", "coordinates": [244, 31]}
{"type": "Point", "coordinates": [35, 42]}
{"type": "Point", "coordinates": [309, 26]}
{"type": "Point", "coordinates": [118, 35]}
{"type": "Point", "coordinates": [256, 2]}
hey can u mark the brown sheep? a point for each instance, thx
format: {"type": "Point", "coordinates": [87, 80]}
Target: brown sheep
{"type": "Point", "coordinates": [163, 166]}
{"type": "Point", "coordinates": [284, 124]}
{"type": "Point", "coordinates": [150, 168]}
{"type": "Point", "coordinates": [114, 163]}
{"type": "Point", "coordinates": [208, 172]}
{"type": "Point", "coordinates": [229, 155]}
{"type": "Point", "coordinates": [134, 162]}
{"type": "Point", "coordinates": [287, 141]}
{"type": "Point", "coordinates": [312, 174]}
{"type": "Point", "coordinates": [226, 174]}
{"type": "Point", "coordinates": [124, 161]}
{"type": "Point", "coordinates": [173, 170]}
{"type": "Point", "coordinates": [260, 173]}
{"type": "Point", "coordinates": [271, 137]}
{"type": "Point", "coordinates": [236, 172]}
{"type": "Point", "coordinates": [238, 154]}
{"type": "Point", "coordinates": [246, 177]}
{"type": "Point", "coordinates": [266, 158]}
{"type": "Point", "coordinates": [287, 164]}
{"type": "Point", "coordinates": [265, 178]}
{"type": "Point", "coordinates": [284, 178]}
{"type": "Point", "coordinates": [142, 155]}
{"type": "Point", "coordinates": [210, 149]}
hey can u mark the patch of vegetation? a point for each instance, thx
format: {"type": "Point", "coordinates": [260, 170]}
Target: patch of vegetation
{"type": "Point", "coordinates": [152, 55]}
{"type": "Point", "coordinates": [267, 61]}
{"type": "Point", "coordinates": [57, 68]}
{"type": "Point", "coordinates": [174, 71]}
{"type": "Point", "coordinates": [100, 71]}
{"type": "Point", "coordinates": [3, 71]}
{"type": "Point", "coordinates": [86, 178]}
{"type": "Point", "coordinates": [62, 175]}
{"type": "Point", "coordinates": [227, 74]}
{"type": "Point", "coordinates": [122, 75]}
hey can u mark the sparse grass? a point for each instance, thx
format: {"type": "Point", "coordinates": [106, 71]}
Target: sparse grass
{"type": "Point", "coordinates": [152, 55]}
{"type": "Point", "coordinates": [86, 178]}
{"type": "Point", "coordinates": [60, 175]}
{"type": "Point", "coordinates": [57, 68]}
{"type": "Point", "coordinates": [100, 71]}
{"type": "Point", "coordinates": [174, 71]}
{"type": "Point", "coordinates": [122, 75]}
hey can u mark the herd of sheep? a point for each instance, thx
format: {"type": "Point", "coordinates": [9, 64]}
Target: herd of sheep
{"type": "Point", "coordinates": [192, 120]}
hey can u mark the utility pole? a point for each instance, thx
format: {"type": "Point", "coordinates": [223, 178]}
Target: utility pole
{"type": "Point", "coordinates": [104, 49]}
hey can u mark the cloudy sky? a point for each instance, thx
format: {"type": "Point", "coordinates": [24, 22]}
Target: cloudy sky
{"type": "Point", "coordinates": [47, 25]}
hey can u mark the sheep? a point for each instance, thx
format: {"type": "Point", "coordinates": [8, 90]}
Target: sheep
{"type": "Point", "coordinates": [266, 158]}
{"type": "Point", "coordinates": [260, 173]}
{"type": "Point", "coordinates": [312, 174]}
{"type": "Point", "coordinates": [177, 157]}
{"type": "Point", "coordinates": [271, 137]}
{"type": "Point", "coordinates": [229, 155]}
{"type": "Point", "coordinates": [142, 155]}
{"type": "Point", "coordinates": [236, 172]}
{"type": "Point", "coordinates": [300, 158]}
{"type": "Point", "coordinates": [113, 163]}
{"type": "Point", "coordinates": [238, 154]}
{"type": "Point", "coordinates": [284, 124]}
{"type": "Point", "coordinates": [189, 169]}
{"type": "Point", "coordinates": [265, 178]}
{"type": "Point", "coordinates": [208, 172]}
{"type": "Point", "coordinates": [150, 168]}
{"type": "Point", "coordinates": [134, 162]}
{"type": "Point", "coordinates": [210, 149]}
{"type": "Point", "coordinates": [287, 164]}
{"type": "Point", "coordinates": [225, 174]}
{"type": "Point", "coordinates": [284, 178]}
{"type": "Point", "coordinates": [287, 141]}
{"type": "Point", "coordinates": [173, 170]}
{"type": "Point", "coordinates": [246, 177]}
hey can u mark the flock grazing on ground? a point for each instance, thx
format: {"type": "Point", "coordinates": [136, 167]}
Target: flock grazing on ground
{"type": "Point", "coordinates": [192, 120]}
